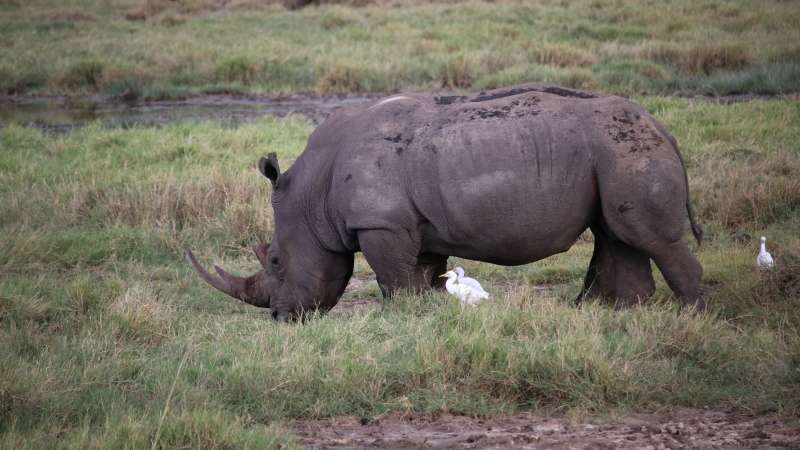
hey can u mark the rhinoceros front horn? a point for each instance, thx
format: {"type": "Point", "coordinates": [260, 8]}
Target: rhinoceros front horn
{"type": "Point", "coordinates": [244, 289]}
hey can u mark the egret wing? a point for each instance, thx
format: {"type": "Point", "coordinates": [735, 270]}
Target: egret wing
{"type": "Point", "coordinates": [473, 284]}
{"type": "Point", "coordinates": [765, 261]}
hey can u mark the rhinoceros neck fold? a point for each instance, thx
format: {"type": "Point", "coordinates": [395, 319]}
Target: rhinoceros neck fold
{"type": "Point", "coordinates": [310, 190]}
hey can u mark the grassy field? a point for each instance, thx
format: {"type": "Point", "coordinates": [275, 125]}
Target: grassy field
{"type": "Point", "coordinates": [110, 340]}
{"type": "Point", "coordinates": [172, 48]}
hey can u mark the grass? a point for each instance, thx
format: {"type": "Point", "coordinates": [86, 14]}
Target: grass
{"type": "Point", "coordinates": [110, 340]}
{"type": "Point", "coordinates": [164, 48]}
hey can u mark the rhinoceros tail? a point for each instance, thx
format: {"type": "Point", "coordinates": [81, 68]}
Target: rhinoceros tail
{"type": "Point", "coordinates": [696, 230]}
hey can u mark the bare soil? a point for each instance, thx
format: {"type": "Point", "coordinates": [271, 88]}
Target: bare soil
{"type": "Point", "coordinates": [681, 429]}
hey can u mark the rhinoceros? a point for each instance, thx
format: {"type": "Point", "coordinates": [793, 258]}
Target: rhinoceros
{"type": "Point", "coordinates": [506, 176]}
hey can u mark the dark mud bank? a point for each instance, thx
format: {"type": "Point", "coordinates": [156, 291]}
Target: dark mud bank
{"type": "Point", "coordinates": [63, 114]}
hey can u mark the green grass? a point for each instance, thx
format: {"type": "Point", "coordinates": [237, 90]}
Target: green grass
{"type": "Point", "coordinates": [106, 330]}
{"type": "Point", "coordinates": [162, 48]}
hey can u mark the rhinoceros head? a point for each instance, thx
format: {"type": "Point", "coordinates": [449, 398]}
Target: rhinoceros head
{"type": "Point", "coordinates": [309, 276]}
{"type": "Point", "coordinates": [298, 275]}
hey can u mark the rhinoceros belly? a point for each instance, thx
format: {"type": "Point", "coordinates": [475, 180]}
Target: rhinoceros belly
{"type": "Point", "coordinates": [506, 192]}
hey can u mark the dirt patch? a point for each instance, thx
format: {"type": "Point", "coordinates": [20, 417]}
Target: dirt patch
{"type": "Point", "coordinates": [360, 300]}
{"type": "Point", "coordinates": [503, 287]}
{"type": "Point", "coordinates": [685, 429]}
{"type": "Point", "coordinates": [352, 306]}
{"type": "Point", "coordinates": [357, 301]}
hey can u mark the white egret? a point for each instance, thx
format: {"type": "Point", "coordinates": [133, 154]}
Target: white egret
{"type": "Point", "coordinates": [472, 282]}
{"type": "Point", "coordinates": [468, 295]}
{"type": "Point", "coordinates": [764, 260]}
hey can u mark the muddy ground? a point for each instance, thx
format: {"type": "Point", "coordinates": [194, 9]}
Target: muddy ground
{"type": "Point", "coordinates": [682, 429]}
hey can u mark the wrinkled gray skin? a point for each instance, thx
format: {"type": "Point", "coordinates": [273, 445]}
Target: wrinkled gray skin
{"type": "Point", "coordinates": [508, 177]}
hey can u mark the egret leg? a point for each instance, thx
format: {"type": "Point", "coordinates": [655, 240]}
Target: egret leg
{"type": "Point", "coordinates": [393, 257]}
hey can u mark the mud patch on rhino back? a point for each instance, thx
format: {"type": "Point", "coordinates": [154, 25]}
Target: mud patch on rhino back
{"type": "Point", "coordinates": [483, 96]}
{"type": "Point", "coordinates": [633, 132]}
{"type": "Point", "coordinates": [449, 99]}
{"type": "Point", "coordinates": [522, 107]}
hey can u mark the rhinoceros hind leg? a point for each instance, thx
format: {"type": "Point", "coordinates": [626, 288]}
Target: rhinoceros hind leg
{"type": "Point", "coordinates": [618, 273]}
{"type": "Point", "coordinates": [598, 283]}
{"type": "Point", "coordinates": [393, 258]}
{"type": "Point", "coordinates": [682, 272]}
{"type": "Point", "coordinates": [652, 216]}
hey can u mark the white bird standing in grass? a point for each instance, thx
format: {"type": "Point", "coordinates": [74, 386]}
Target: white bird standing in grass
{"type": "Point", "coordinates": [764, 260]}
{"type": "Point", "coordinates": [468, 292]}
{"type": "Point", "coordinates": [462, 279]}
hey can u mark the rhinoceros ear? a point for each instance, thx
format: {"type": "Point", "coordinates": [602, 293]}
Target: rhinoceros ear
{"type": "Point", "coordinates": [268, 166]}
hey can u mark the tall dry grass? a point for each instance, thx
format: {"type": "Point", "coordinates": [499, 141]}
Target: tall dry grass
{"type": "Point", "coordinates": [752, 192]}
{"type": "Point", "coordinates": [705, 58]}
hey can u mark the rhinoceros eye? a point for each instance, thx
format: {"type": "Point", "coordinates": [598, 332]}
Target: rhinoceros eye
{"type": "Point", "coordinates": [274, 262]}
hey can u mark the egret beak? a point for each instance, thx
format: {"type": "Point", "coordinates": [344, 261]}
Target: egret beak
{"type": "Point", "coordinates": [442, 275]}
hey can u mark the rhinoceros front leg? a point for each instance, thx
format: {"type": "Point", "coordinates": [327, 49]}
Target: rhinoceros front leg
{"type": "Point", "coordinates": [393, 257]}
{"type": "Point", "coordinates": [618, 273]}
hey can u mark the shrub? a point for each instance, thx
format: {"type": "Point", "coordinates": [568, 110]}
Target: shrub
{"type": "Point", "coordinates": [697, 59]}
{"type": "Point", "coordinates": [560, 55]}
{"type": "Point", "coordinates": [631, 75]}
{"type": "Point", "coordinates": [148, 9]}
{"type": "Point", "coordinates": [341, 78]}
{"type": "Point", "coordinates": [236, 69]}
{"type": "Point", "coordinates": [767, 79]}
{"type": "Point", "coordinates": [578, 79]}
{"type": "Point", "coordinates": [15, 82]}
{"type": "Point", "coordinates": [337, 18]}
{"type": "Point", "coordinates": [495, 61]}
{"type": "Point", "coordinates": [127, 83]}
{"type": "Point", "coordinates": [87, 73]}
{"type": "Point", "coordinates": [457, 73]}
